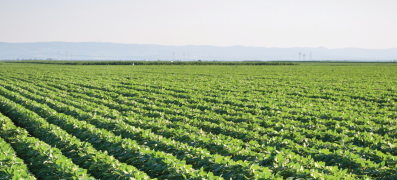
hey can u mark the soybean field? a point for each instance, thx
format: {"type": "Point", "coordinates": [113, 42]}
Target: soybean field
{"type": "Point", "coordinates": [309, 121]}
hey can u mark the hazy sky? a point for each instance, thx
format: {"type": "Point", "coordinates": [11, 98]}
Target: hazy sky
{"type": "Point", "coordinates": [260, 23]}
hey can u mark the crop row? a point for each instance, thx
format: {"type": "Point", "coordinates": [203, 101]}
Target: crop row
{"type": "Point", "coordinates": [236, 122]}
{"type": "Point", "coordinates": [363, 124]}
{"type": "Point", "coordinates": [11, 166]}
{"type": "Point", "coordinates": [325, 151]}
{"type": "Point", "coordinates": [97, 163]}
{"type": "Point", "coordinates": [197, 156]}
{"type": "Point", "coordinates": [352, 165]}
{"type": "Point", "coordinates": [361, 136]}
{"type": "Point", "coordinates": [154, 163]}
{"type": "Point", "coordinates": [44, 161]}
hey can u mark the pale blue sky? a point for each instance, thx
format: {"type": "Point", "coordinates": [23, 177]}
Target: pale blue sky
{"type": "Point", "coordinates": [260, 23]}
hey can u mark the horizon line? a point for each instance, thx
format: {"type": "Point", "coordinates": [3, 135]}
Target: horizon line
{"type": "Point", "coordinates": [198, 45]}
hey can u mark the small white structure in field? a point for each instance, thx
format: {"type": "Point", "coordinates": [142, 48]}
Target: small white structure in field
{"type": "Point", "coordinates": [132, 63]}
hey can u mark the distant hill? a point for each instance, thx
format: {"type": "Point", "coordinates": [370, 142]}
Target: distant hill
{"type": "Point", "coordinates": [118, 51]}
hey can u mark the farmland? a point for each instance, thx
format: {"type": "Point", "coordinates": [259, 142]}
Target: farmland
{"type": "Point", "coordinates": [313, 121]}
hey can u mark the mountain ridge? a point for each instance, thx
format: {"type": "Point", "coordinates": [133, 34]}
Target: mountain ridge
{"type": "Point", "coordinates": [122, 51]}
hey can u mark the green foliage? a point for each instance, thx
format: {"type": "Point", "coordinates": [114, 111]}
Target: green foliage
{"type": "Point", "coordinates": [43, 160]}
{"type": "Point", "coordinates": [12, 167]}
{"type": "Point", "coordinates": [160, 163]}
{"type": "Point", "coordinates": [195, 122]}
{"type": "Point", "coordinates": [81, 153]}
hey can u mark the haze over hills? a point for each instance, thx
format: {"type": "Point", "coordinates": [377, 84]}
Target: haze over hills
{"type": "Point", "coordinates": [118, 51]}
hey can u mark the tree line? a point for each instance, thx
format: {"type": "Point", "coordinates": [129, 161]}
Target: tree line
{"type": "Point", "coordinates": [155, 62]}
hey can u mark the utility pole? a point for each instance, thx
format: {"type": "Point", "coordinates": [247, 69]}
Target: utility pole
{"type": "Point", "coordinates": [310, 55]}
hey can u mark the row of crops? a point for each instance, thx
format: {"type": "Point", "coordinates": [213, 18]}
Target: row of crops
{"type": "Point", "coordinates": [212, 122]}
